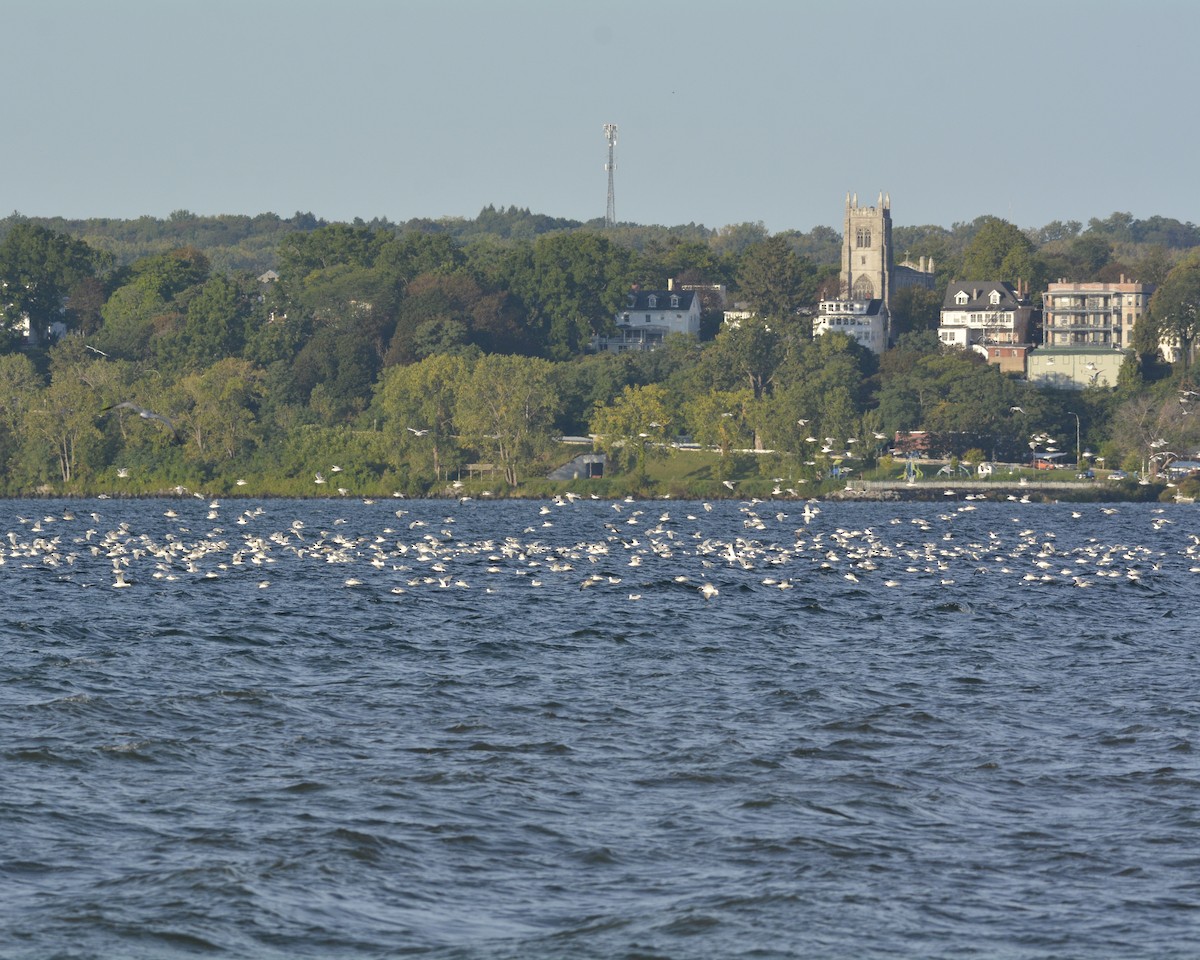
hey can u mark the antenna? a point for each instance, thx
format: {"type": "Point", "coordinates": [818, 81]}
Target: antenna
{"type": "Point", "coordinates": [610, 134]}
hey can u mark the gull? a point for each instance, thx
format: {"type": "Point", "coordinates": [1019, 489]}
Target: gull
{"type": "Point", "coordinates": [1016, 409]}
{"type": "Point", "coordinates": [728, 483]}
{"type": "Point", "coordinates": [415, 432]}
{"type": "Point", "coordinates": [708, 591]}
{"type": "Point", "coordinates": [88, 346]}
{"type": "Point", "coordinates": [141, 412]}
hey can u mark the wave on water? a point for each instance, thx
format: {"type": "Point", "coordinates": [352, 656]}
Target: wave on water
{"type": "Point", "coordinates": [272, 729]}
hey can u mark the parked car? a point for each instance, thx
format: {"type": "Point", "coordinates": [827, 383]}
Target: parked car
{"type": "Point", "coordinates": [1118, 475]}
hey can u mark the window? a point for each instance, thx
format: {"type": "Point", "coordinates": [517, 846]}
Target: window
{"type": "Point", "coordinates": [652, 302]}
{"type": "Point", "coordinates": [961, 297]}
{"type": "Point", "coordinates": [994, 297]}
{"type": "Point", "coordinates": [674, 301]}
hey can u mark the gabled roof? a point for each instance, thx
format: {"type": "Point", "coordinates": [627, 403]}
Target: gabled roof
{"type": "Point", "coordinates": [640, 299]}
{"type": "Point", "coordinates": [978, 295]}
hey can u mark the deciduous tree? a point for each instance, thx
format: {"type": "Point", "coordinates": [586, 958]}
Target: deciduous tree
{"type": "Point", "coordinates": [506, 410]}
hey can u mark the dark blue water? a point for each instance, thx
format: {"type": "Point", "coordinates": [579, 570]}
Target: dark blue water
{"type": "Point", "coordinates": [481, 730]}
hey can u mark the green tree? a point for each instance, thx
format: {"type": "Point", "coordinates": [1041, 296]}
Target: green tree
{"type": "Point", "coordinates": [722, 419]}
{"type": "Point", "coordinates": [417, 404]}
{"type": "Point", "coordinates": [634, 426]}
{"type": "Point", "coordinates": [64, 419]}
{"type": "Point", "coordinates": [130, 318]}
{"type": "Point", "coordinates": [301, 254]}
{"type": "Point", "coordinates": [219, 410]}
{"type": "Point", "coordinates": [38, 268]}
{"type": "Point", "coordinates": [748, 351]}
{"type": "Point", "coordinates": [1001, 251]}
{"type": "Point", "coordinates": [774, 280]}
{"type": "Point", "coordinates": [914, 309]}
{"type": "Point", "coordinates": [213, 325]}
{"type": "Point", "coordinates": [572, 286]}
{"type": "Point", "coordinates": [19, 388]}
{"type": "Point", "coordinates": [169, 274]}
{"type": "Point", "coordinates": [506, 408]}
{"type": "Point", "coordinates": [1175, 309]}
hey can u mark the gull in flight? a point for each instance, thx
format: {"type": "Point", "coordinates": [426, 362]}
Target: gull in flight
{"type": "Point", "coordinates": [417, 433]}
{"type": "Point", "coordinates": [141, 412]}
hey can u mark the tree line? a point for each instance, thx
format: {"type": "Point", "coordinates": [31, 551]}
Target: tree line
{"type": "Point", "coordinates": [410, 353]}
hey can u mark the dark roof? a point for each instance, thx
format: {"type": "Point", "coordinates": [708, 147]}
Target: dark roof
{"type": "Point", "coordinates": [640, 299]}
{"type": "Point", "coordinates": [978, 292]}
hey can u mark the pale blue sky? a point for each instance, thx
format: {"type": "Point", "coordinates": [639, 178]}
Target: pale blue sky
{"type": "Point", "coordinates": [728, 111]}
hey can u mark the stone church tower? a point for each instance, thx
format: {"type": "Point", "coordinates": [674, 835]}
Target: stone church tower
{"type": "Point", "coordinates": [867, 264]}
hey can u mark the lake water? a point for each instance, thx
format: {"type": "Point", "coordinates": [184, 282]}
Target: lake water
{"type": "Point", "coordinates": [520, 730]}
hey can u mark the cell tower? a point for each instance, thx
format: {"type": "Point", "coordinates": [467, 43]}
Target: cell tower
{"type": "Point", "coordinates": [610, 134]}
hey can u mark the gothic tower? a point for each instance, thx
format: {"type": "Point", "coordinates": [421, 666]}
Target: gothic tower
{"type": "Point", "coordinates": [867, 265]}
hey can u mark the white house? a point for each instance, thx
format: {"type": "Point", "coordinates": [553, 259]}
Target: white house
{"type": "Point", "coordinates": [864, 320]}
{"type": "Point", "coordinates": [978, 313]}
{"type": "Point", "coordinates": [649, 316]}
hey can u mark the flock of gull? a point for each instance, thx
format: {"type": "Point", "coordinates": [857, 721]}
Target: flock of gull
{"type": "Point", "coordinates": [629, 547]}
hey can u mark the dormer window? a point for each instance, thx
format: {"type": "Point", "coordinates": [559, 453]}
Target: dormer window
{"type": "Point", "coordinates": [652, 302]}
{"type": "Point", "coordinates": [994, 297]}
{"type": "Point", "coordinates": [674, 302]}
{"type": "Point", "coordinates": [961, 298]}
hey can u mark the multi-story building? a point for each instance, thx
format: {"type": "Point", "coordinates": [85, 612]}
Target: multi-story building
{"type": "Point", "coordinates": [1093, 314]}
{"type": "Point", "coordinates": [979, 314]}
{"type": "Point", "coordinates": [864, 320]}
{"type": "Point", "coordinates": [867, 258]}
{"type": "Point", "coordinates": [649, 316]}
{"type": "Point", "coordinates": [869, 276]}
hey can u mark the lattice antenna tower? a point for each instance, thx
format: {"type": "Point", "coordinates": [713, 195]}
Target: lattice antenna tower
{"type": "Point", "coordinates": [610, 134]}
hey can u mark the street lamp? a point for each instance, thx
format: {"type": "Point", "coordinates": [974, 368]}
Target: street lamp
{"type": "Point", "coordinates": [1077, 446]}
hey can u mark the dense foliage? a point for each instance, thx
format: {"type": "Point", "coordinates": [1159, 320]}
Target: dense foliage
{"type": "Point", "coordinates": [382, 356]}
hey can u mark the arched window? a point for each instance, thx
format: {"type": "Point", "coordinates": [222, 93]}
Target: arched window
{"type": "Point", "coordinates": [864, 289]}
{"type": "Point", "coordinates": [862, 237]}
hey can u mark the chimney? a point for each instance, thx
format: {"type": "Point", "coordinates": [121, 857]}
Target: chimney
{"type": "Point", "coordinates": [670, 284]}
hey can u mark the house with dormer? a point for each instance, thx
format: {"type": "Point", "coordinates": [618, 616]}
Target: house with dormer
{"type": "Point", "coordinates": [980, 314]}
{"type": "Point", "coordinates": [649, 316]}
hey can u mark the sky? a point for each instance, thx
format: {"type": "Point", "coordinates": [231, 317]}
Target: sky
{"type": "Point", "coordinates": [727, 112]}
